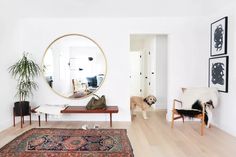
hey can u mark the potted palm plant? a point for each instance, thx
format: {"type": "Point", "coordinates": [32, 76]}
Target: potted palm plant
{"type": "Point", "coordinates": [24, 71]}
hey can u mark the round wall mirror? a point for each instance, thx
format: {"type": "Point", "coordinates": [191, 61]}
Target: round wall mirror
{"type": "Point", "coordinates": [74, 66]}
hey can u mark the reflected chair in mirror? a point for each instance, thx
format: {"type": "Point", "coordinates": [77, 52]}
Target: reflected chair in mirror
{"type": "Point", "coordinates": [78, 86]}
{"type": "Point", "coordinates": [195, 103]}
{"type": "Point", "coordinates": [21, 109]}
{"type": "Point", "coordinates": [74, 85]}
{"type": "Point", "coordinates": [79, 89]}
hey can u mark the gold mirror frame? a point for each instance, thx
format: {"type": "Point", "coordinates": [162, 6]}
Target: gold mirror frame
{"type": "Point", "coordinates": [90, 39]}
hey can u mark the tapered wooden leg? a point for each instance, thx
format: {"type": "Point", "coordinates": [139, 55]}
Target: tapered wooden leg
{"type": "Point", "coordinates": [39, 120]}
{"type": "Point", "coordinates": [202, 126]}
{"type": "Point", "coordinates": [14, 121]}
{"type": "Point", "coordinates": [21, 121]}
{"type": "Point", "coordinates": [30, 114]}
{"type": "Point", "coordinates": [203, 118]}
{"type": "Point", "coordinates": [182, 118]}
{"type": "Point", "coordinates": [46, 117]}
{"type": "Point", "coordinates": [110, 119]}
{"type": "Point", "coordinates": [30, 119]}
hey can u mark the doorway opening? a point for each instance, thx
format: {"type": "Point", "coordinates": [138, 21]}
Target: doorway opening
{"type": "Point", "coordinates": [148, 67]}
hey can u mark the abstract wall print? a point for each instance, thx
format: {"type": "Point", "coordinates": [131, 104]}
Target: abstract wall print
{"type": "Point", "coordinates": [219, 37]}
{"type": "Point", "coordinates": [218, 73]}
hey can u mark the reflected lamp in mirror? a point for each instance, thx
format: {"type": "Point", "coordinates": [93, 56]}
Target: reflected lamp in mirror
{"type": "Point", "coordinates": [74, 66]}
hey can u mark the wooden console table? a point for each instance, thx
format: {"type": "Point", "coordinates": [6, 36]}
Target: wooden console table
{"type": "Point", "coordinates": [82, 109]}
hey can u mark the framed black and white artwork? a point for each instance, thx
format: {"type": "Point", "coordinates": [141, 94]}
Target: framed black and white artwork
{"type": "Point", "coordinates": [219, 37]}
{"type": "Point", "coordinates": [218, 73]}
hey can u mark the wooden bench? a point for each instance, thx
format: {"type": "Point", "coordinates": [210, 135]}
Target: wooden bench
{"type": "Point", "coordinates": [82, 109]}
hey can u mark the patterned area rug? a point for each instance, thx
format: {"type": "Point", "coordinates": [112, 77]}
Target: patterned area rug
{"type": "Point", "coordinates": [48, 142]}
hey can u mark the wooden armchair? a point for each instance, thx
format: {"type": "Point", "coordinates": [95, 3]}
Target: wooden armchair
{"type": "Point", "coordinates": [189, 97]}
{"type": "Point", "coordinates": [200, 116]}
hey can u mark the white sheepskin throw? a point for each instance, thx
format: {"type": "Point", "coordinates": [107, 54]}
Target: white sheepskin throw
{"type": "Point", "coordinates": [203, 94]}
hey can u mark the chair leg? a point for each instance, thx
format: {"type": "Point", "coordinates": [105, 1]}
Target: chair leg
{"type": "Point", "coordinates": [203, 118]}
{"type": "Point", "coordinates": [182, 118]}
{"type": "Point", "coordinates": [202, 126]}
{"type": "Point", "coordinates": [23, 118]}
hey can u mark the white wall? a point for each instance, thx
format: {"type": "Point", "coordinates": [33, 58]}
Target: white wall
{"type": "Point", "coordinates": [161, 70]}
{"type": "Point", "coordinates": [225, 113]}
{"type": "Point", "coordinates": [188, 53]}
{"type": "Point", "coordinates": [188, 45]}
{"type": "Point", "coordinates": [106, 8]}
{"type": "Point", "coordinates": [36, 34]}
{"type": "Point", "coordinates": [187, 58]}
{"type": "Point", "coordinates": [8, 52]}
{"type": "Point", "coordinates": [191, 69]}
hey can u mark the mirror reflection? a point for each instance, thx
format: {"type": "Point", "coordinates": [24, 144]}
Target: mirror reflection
{"type": "Point", "coordinates": [74, 66]}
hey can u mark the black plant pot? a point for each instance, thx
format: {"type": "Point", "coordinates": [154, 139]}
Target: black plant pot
{"type": "Point", "coordinates": [22, 108]}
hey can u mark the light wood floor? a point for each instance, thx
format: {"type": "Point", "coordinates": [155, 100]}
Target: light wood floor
{"type": "Point", "coordinates": [154, 137]}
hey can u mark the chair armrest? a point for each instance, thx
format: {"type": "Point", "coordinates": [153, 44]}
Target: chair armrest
{"type": "Point", "coordinates": [178, 101]}
{"type": "Point", "coordinates": [33, 109]}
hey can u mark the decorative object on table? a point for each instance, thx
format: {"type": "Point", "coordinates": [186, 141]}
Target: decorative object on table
{"type": "Point", "coordinates": [219, 37]}
{"type": "Point", "coordinates": [24, 71]}
{"type": "Point", "coordinates": [69, 142]}
{"type": "Point", "coordinates": [79, 89]}
{"type": "Point", "coordinates": [218, 73]}
{"type": "Point", "coordinates": [86, 65]}
{"type": "Point", "coordinates": [195, 102]}
{"type": "Point", "coordinates": [96, 103]}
